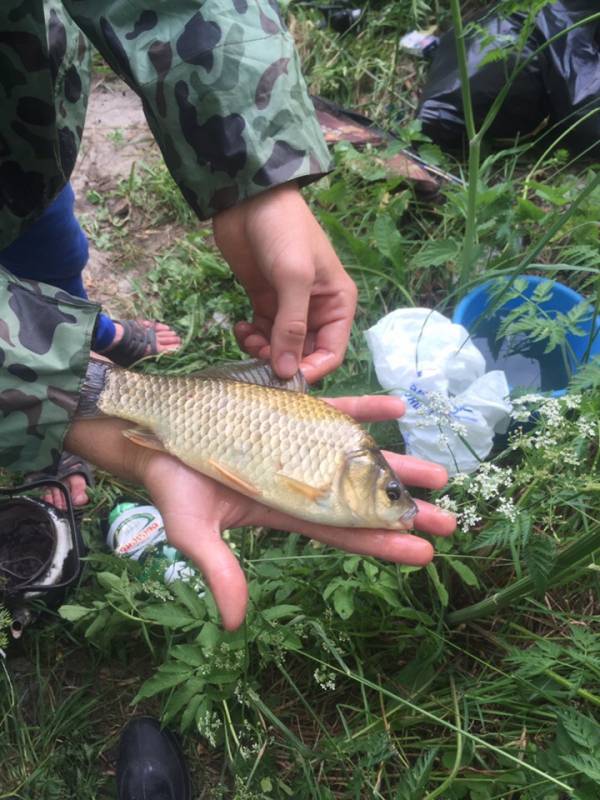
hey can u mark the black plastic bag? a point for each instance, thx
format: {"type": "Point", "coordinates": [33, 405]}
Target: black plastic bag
{"type": "Point", "coordinates": [559, 86]}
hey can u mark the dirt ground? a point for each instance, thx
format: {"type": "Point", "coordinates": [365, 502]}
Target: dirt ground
{"type": "Point", "coordinates": [116, 140]}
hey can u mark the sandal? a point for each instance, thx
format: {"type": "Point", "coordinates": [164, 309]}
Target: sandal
{"type": "Point", "coordinates": [138, 342]}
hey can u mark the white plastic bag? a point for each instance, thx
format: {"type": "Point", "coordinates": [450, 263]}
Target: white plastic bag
{"type": "Point", "coordinates": [453, 408]}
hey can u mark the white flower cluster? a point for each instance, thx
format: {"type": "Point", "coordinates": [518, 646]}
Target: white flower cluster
{"type": "Point", "coordinates": [553, 423]}
{"type": "Point", "coordinates": [521, 406]}
{"type": "Point", "coordinates": [586, 427]}
{"type": "Point", "coordinates": [222, 657]}
{"type": "Point", "coordinates": [208, 724]}
{"type": "Point", "coordinates": [325, 679]}
{"type": "Point", "coordinates": [437, 409]}
{"type": "Point", "coordinates": [487, 484]}
{"type": "Point", "coordinates": [248, 745]}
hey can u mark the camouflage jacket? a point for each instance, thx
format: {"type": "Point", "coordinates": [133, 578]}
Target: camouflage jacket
{"type": "Point", "coordinates": [219, 81]}
{"type": "Point", "coordinates": [222, 91]}
{"type": "Point", "coordinates": [45, 337]}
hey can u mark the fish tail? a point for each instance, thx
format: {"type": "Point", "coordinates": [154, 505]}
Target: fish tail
{"type": "Point", "coordinates": [92, 388]}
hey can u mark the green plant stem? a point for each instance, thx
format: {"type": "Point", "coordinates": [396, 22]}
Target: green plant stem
{"type": "Point", "coordinates": [470, 239]}
{"type": "Point", "coordinates": [539, 245]}
{"type": "Point", "coordinates": [552, 146]}
{"type": "Point", "coordinates": [549, 673]}
{"type": "Point", "coordinates": [438, 721]}
{"type": "Point", "coordinates": [570, 559]}
{"type": "Point", "coordinates": [459, 750]}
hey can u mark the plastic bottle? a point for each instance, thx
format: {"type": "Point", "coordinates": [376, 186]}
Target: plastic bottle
{"type": "Point", "coordinates": [138, 532]}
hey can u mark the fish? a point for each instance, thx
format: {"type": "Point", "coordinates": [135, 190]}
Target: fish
{"type": "Point", "coordinates": [266, 438]}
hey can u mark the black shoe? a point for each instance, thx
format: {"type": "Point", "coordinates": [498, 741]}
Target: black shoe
{"type": "Point", "coordinates": [150, 765]}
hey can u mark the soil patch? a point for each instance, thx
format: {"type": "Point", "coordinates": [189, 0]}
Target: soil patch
{"type": "Point", "coordinates": [123, 245]}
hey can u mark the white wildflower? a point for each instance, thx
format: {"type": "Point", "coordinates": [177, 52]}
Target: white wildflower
{"type": "Point", "coordinates": [572, 400]}
{"type": "Point", "coordinates": [586, 427]}
{"type": "Point", "coordinates": [460, 479]}
{"type": "Point", "coordinates": [507, 508]}
{"type": "Point", "coordinates": [447, 503]}
{"type": "Point", "coordinates": [208, 724]}
{"type": "Point", "coordinates": [325, 679]}
{"type": "Point", "coordinates": [468, 518]}
{"type": "Point", "coordinates": [521, 414]}
{"type": "Point", "coordinates": [528, 399]}
{"type": "Point", "coordinates": [570, 457]}
{"type": "Point", "coordinates": [552, 412]}
{"type": "Point", "coordinates": [489, 481]}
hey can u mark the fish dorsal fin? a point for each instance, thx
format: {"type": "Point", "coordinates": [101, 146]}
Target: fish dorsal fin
{"type": "Point", "coordinates": [144, 438]}
{"type": "Point", "coordinates": [255, 371]}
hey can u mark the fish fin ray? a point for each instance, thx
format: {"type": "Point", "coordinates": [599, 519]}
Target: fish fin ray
{"type": "Point", "coordinates": [313, 493]}
{"type": "Point", "coordinates": [255, 371]}
{"type": "Point", "coordinates": [234, 481]}
{"type": "Point", "coordinates": [144, 438]}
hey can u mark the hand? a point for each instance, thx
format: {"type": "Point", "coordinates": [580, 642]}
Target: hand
{"type": "Point", "coordinates": [303, 299]}
{"type": "Point", "coordinates": [196, 509]}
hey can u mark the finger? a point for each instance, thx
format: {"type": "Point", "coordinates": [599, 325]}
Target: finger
{"type": "Point", "coordinates": [265, 352]}
{"type": "Point", "coordinates": [403, 548]}
{"type": "Point", "coordinates": [255, 344]}
{"type": "Point", "coordinates": [369, 408]}
{"type": "Point", "coordinates": [251, 338]}
{"type": "Point", "coordinates": [332, 338]}
{"type": "Point", "coordinates": [434, 520]}
{"type": "Point", "coordinates": [290, 327]}
{"type": "Point", "coordinates": [219, 566]}
{"type": "Point", "coordinates": [309, 344]}
{"type": "Point", "coordinates": [416, 472]}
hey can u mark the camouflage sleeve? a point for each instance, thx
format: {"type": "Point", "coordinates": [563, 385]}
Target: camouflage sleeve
{"type": "Point", "coordinates": [45, 337]}
{"type": "Point", "coordinates": [222, 90]}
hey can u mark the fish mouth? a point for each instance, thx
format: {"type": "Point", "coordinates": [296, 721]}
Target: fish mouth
{"type": "Point", "coordinates": [406, 519]}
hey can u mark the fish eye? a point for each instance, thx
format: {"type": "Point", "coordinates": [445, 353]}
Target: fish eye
{"type": "Point", "coordinates": [393, 491]}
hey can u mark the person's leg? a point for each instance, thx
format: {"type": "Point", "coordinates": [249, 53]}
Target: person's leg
{"type": "Point", "coordinates": [54, 250]}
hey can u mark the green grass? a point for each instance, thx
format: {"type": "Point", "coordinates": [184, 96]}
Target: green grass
{"type": "Point", "coordinates": [476, 679]}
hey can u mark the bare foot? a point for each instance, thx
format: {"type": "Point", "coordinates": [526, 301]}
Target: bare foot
{"type": "Point", "coordinates": [77, 488]}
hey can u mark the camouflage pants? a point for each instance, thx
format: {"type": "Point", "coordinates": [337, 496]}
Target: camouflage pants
{"type": "Point", "coordinates": [45, 337]}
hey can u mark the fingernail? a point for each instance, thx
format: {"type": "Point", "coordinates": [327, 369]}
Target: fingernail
{"type": "Point", "coordinates": [287, 364]}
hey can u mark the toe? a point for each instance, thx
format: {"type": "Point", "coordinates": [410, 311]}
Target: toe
{"type": "Point", "coordinates": [77, 487]}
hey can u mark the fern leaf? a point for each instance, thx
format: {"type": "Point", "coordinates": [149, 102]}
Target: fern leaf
{"type": "Point", "coordinates": [540, 555]}
{"type": "Point", "coordinates": [582, 730]}
{"type": "Point", "coordinates": [543, 292]}
{"type": "Point", "coordinates": [415, 780]}
{"type": "Point", "coordinates": [587, 377]}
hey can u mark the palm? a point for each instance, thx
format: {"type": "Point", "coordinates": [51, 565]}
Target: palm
{"type": "Point", "coordinates": [196, 510]}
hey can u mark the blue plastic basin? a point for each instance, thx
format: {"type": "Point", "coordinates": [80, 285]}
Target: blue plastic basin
{"type": "Point", "coordinates": [471, 313]}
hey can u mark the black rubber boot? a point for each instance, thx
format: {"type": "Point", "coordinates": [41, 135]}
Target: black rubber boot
{"type": "Point", "coordinates": [150, 765]}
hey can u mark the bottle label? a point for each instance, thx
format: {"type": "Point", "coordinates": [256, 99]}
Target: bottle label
{"type": "Point", "coordinates": [135, 531]}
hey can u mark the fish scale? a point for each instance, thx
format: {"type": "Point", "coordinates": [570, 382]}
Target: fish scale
{"type": "Point", "coordinates": [224, 414]}
{"type": "Point", "coordinates": [287, 449]}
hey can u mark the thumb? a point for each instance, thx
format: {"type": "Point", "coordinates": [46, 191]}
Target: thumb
{"type": "Point", "coordinates": [201, 542]}
{"type": "Point", "coordinates": [290, 325]}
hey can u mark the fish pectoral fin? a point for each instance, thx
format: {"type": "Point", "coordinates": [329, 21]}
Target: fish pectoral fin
{"type": "Point", "coordinates": [313, 493]}
{"type": "Point", "coordinates": [229, 478]}
{"type": "Point", "coordinates": [144, 438]}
